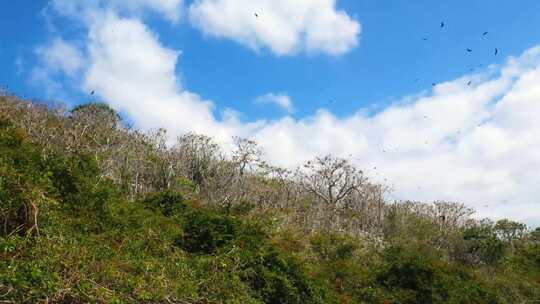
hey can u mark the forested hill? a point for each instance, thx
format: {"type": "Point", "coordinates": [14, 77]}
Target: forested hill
{"type": "Point", "coordinates": [92, 211]}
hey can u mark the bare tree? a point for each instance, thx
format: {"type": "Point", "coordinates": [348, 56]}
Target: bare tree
{"type": "Point", "coordinates": [331, 179]}
{"type": "Point", "coordinates": [197, 156]}
{"type": "Point", "coordinates": [247, 155]}
{"type": "Point", "coordinates": [326, 193]}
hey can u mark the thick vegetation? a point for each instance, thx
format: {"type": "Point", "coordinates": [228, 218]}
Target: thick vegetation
{"type": "Point", "coordinates": [93, 212]}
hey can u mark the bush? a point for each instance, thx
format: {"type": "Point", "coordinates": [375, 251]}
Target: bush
{"type": "Point", "coordinates": [333, 247]}
{"type": "Point", "coordinates": [414, 275]}
{"type": "Point", "coordinates": [97, 245]}
{"type": "Point", "coordinates": [276, 277]}
{"type": "Point", "coordinates": [481, 245]}
{"type": "Point", "coordinates": [168, 202]}
{"type": "Point", "coordinates": [24, 182]}
{"type": "Point", "coordinates": [410, 275]}
{"type": "Point", "coordinates": [205, 231]}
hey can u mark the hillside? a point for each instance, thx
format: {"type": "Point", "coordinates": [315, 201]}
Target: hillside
{"type": "Point", "coordinates": [93, 211]}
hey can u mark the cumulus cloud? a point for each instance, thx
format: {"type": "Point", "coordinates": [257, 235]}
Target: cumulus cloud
{"type": "Point", "coordinates": [56, 59]}
{"type": "Point", "coordinates": [470, 144]}
{"type": "Point", "coordinates": [284, 26]}
{"type": "Point", "coordinates": [281, 100]}
{"type": "Point", "coordinates": [61, 56]}
{"type": "Point", "coordinates": [475, 144]}
{"type": "Point", "coordinates": [131, 70]}
{"type": "Point", "coordinates": [170, 9]}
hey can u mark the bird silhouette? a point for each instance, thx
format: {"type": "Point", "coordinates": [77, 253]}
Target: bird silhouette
{"type": "Point", "coordinates": [469, 50]}
{"type": "Point", "coordinates": [256, 15]}
{"type": "Point", "coordinates": [92, 93]}
{"type": "Point", "coordinates": [469, 83]}
{"type": "Point", "coordinates": [442, 24]}
{"type": "Point", "coordinates": [485, 33]}
{"type": "Point", "coordinates": [496, 51]}
{"type": "Point", "coordinates": [425, 39]}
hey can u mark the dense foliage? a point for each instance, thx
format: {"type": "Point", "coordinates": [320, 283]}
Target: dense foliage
{"type": "Point", "coordinates": [77, 225]}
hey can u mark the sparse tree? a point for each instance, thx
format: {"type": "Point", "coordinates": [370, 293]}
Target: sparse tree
{"type": "Point", "coordinates": [197, 156]}
{"type": "Point", "coordinates": [510, 231]}
{"type": "Point", "coordinates": [330, 178]}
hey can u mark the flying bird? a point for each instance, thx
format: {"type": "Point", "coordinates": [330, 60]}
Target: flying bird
{"type": "Point", "coordinates": [92, 93]}
{"type": "Point", "coordinates": [256, 15]}
{"type": "Point", "coordinates": [496, 51]}
{"type": "Point", "coordinates": [469, 83]}
{"type": "Point", "coordinates": [469, 50]}
{"type": "Point", "coordinates": [442, 24]}
{"type": "Point", "coordinates": [485, 33]}
{"type": "Point", "coordinates": [425, 39]}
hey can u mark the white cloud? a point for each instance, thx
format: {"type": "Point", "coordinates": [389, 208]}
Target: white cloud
{"type": "Point", "coordinates": [61, 56]}
{"type": "Point", "coordinates": [19, 66]}
{"type": "Point", "coordinates": [131, 70]}
{"type": "Point", "coordinates": [42, 77]}
{"type": "Point", "coordinates": [281, 100]}
{"type": "Point", "coordinates": [170, 9]}
{"type": "Point", "coordinates": [476, 144]}
{"type": "Point", "coordinates": [284, 26]}
{"type": "Point", "coordinates": [56, 58]}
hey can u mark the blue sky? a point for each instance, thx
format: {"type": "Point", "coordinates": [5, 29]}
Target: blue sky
{"type": "Point", "coordinates": [390, 57]}
{"type": "Point", "coordinates": [359, 90]}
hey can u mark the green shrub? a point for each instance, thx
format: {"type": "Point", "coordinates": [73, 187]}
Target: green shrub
{"type": "Point", "coordinates": [168, 202]}
{"type": "Point", "coordinates": [333, 247]}
{"type": "Point", "coordinates": [276, 277]}
{"type": "Point", "coordinates": [205, 231]}
{"type": "Point", "coordinates": [482, 245]}
{"type": "Point", "coordinates": [97, 245]}
{"type": "Point", "coordinates": [411, 276]}
{"type": "Point", "coordinates": [414, 275]}
{"type": "Point", "coordinates": [24, 182]}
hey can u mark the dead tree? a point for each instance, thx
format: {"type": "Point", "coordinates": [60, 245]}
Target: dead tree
{"type": "Point", "coordinates": [331, 179]}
